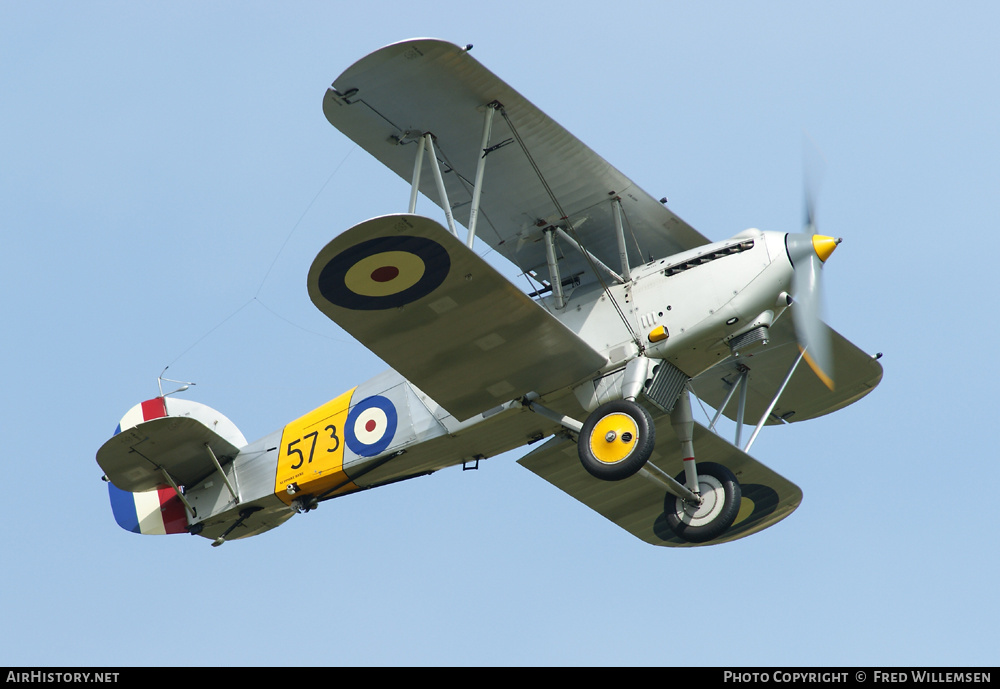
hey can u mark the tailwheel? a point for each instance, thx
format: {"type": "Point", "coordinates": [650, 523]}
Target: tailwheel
{"type": "Point", "coordinates": [616, 440]}
{"type": "Point", "coordinates": [720, 503]}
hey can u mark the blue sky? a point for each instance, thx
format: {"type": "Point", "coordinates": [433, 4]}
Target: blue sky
{"type": "Point", "coordinates": [167, 176]}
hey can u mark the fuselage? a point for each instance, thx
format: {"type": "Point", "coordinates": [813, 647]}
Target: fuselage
{"type": "Point", "coordinates": [685, 308]}
{"type": "Point", "coordinates": [386, 429]}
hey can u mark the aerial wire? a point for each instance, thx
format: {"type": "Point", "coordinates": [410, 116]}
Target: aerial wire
{"type": "Point", "coordinates": [301, 217]}
{"type": "Point", "coordinates": [267, 273]}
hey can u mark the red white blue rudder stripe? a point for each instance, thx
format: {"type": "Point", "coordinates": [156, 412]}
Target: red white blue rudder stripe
{"type": "Point", "coordinates": [152, 512]}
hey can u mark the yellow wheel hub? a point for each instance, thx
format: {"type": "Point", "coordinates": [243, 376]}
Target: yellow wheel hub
{"type": "Point", "coordinates": [613, 438]}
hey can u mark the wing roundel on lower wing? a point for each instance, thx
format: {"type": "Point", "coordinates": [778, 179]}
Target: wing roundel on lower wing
{"type": "Point", "coordinates": [640, 505]}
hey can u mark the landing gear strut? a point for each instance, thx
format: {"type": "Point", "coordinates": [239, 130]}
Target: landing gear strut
{"type": "Point", "coordinates": [718, 491]}
{"type": "Point", "coordinates": [618, 438]}
{"type": "Point", "coordinates": [616, 442]}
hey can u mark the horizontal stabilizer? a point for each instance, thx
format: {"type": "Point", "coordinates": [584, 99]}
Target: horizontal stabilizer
{"type": "Point", "coordinates": [637, 504]}
{"type": "Point", "coordinates": [161, 437]}
{"type": "Point", "coordinates": [134, 460]}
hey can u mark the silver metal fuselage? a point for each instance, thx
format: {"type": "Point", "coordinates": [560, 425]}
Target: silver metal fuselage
{"type": "Point", "coordinates": [701, 297]}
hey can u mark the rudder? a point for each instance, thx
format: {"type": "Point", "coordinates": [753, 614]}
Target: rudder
{"type": "Point", "coordinates": [153, 512]}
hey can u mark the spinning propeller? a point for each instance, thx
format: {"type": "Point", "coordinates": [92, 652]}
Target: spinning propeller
{"type": "Point", "coordinates": [808, 251]}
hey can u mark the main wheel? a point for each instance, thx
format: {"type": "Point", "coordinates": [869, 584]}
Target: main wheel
{"type": "Point", "coordinates": [616, 440]}
{"type": "Point", "coordinates": [720, 494]}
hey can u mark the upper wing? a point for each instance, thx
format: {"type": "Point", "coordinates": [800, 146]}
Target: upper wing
{"type": "Point", "coordinates": [444, 318]}
{"type": "Point", "coordinates": [638, 504]}
{"type": "Point", "coordinates": [397, 93]}
{"type": "Point", "coordinates": [806, 397]}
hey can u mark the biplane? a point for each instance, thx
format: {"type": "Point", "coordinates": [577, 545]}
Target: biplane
{"type": "Point", "coordinates": [630, 314]}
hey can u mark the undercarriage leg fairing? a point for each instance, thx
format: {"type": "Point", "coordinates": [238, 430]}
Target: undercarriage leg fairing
{"type": "Point", "coordinates": [717, 489]}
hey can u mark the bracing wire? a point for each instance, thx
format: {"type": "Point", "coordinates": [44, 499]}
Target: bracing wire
{"type": "Point", "coordinates": [569, 226]}
{"type": "Point", "coordinates": [532, 287]}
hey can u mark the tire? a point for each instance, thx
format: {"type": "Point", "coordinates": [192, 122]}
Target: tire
{"type": "Point", "coordinates": [616, 440]}
{"type": "Point", "coordinates": [721, 496]}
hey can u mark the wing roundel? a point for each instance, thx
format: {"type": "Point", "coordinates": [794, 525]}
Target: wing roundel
{"type": "Point", "coordinates": [384, 273]}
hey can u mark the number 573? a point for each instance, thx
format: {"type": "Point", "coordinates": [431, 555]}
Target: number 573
{"type": "Point", "coordinates": [309, 441]}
